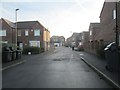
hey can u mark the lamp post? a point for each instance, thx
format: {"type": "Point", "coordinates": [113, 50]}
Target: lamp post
{"type": "Point", "coordinates": [16, 24]}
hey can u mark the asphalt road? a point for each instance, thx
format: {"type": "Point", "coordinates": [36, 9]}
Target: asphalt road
{"type": "Point", "coordinates": [59, 68]}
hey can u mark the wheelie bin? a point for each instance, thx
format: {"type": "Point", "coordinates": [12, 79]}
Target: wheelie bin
{"type": "Point", "coordinates": [112, 57]}
{"type": "Point", "coordinates": [18, 53]}
{"type": "Point", "coordinates": [6, 54]}
{"type": "Point", "coordinates": [13, 53]}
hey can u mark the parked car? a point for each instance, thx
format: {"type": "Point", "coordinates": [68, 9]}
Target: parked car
{"type": "Point", "coordinates": [80, 48]}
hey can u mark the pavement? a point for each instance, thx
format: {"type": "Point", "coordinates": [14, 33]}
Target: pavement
{"type": "Point", "coordinates": [13, 63]}
{"type": "Point", "coordinates": [100, 64]}
{"type": "Point", "coordinates": [23, 59]}
{"type": "Point", "coordinates": [57, 68]}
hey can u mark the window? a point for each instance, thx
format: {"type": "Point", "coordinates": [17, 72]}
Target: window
{"type": "Point", "coordinates": [73, 38]}
{"type": "Point", "coordinates": [80, 43]}
{"type": "Point", "coordinates": [55, 40]}
{"type": "Point", "coordinates": [26, 33]}
{"type": "Point", "coordinates": [90, 32]}
{"type": "Point", "coordinates": [19, 32]}
{"type": "Point", "coordinates": [82, 36]}
{"type": "Point", "coordinates": [3, 41]}
{"type": "Point", "coordinates": [37, 32]}
{"type": "Point", "coordinates": [114, 14]}
{"type": "Point", "coordinates": [34, 43]}
{"type": "Point", "coordinates": [2, 32]}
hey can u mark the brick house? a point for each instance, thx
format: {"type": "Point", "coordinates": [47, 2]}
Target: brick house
{"type": "Point", "coordinates": [62, 40]}
{"type": "Point", "coordinates": [75, 39]}
{"type": "Point", "coordinates": [57, 40]}
{"type": "Point", "coordinates": [68, 42]}
{"type": "Point", "coordinates": [84, 39]}
{"type": "Point", "coordinates": [110, 20]}
{"type": "Point", "coordinates": [107, 33]}
{"type": "Point", "coordinates": [7, 32]}
{"type": "Point", "coordinates": [103, 33]}
{"type": "Point", "coordinates": [94, 40]}
{"type": "Point", "coordinates": [30, 33]}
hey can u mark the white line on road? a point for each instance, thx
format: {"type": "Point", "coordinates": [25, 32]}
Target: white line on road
{"type": "Point", "coordinates": [81, 54]}
{"type": "Point", "coordinates": [12, 65]}
{"type": "Point", "coordinates": [71, 57]}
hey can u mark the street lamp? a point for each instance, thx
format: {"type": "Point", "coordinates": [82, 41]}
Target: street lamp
{"type": "Point", "coordinates": [16, 24]}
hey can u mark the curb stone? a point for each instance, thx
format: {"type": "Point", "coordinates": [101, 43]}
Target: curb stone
{"type": "Point", "coordinates": [10, 66]}
{"type": "Point", "coordinates": [114, 84]}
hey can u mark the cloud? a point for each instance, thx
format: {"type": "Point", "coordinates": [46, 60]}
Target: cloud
{"type": "Point", "coordinates": [7, 14]}
{"type": "Point", "coordinates": [38, 0]}
{"type": "Point", "coordinates": [63, 20]}
{"type": "Point", "coordinates": [75, 19]}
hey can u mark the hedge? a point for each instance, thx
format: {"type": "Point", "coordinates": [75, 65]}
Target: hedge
{"type": "Point", "coordinates": [33, 50]}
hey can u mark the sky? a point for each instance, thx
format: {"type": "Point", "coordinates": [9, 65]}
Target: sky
{"type": "Point", "coordinates": [60, 17]}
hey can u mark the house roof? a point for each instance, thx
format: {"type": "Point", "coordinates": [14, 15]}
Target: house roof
{"type": "Point", "coordinates": [75, 34]}
{"type": "Point", "coordinates": [27, 24]}
{"type": "Point", "coordinates": [95, 24]}
{"type": "Point", "coordinates": [85, 32]}
{"type": "Point", "coordinates": [54, 37]}
{"type": "Point", "coordinates": [107, 4]}
{"type": "Point", "coordinates": [61, 37]}
{"type": "Point", "coordinates": [102, 9]}
{"type": "Point", "coordinates": [47, 30]}
{"type": "Point", "coordinates": [11, 24]}
{"type": "Point", "coordinates": [23, 24]}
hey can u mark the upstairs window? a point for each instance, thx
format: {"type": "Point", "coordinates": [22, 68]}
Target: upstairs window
{"type": "Point", "coordinates": [26, 33]}
{"type": "Point", "coordinates": [2, 32]}
{"type": "Point", "coordinates": [19, 32]}
{"type": "Point", "coordinates": [114, 14]}
{"type": "Point", "coordinates": [37, 32]}
{"type": "Point", "coordinates": [55, 40]}
{"type": "Point", "coordinates": [73, 38]}
{"type": "Point", "coordinates": [82, 36]}
{"type": "Point", "coordinates": [90, 32]}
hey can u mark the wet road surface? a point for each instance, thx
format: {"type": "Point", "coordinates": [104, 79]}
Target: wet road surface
{"type": "Point", "coordinates": [59, 68]}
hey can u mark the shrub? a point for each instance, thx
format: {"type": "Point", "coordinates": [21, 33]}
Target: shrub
{"type": "Point", "coordinates": [42, 49]}
{"type": "Point", "coordinates": [33, 50]}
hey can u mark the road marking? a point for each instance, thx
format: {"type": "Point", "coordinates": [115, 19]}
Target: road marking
{"type": "Point", "coordinates": [71, 57]}
{"type": "Point", "coordinates": [81, 54]}
{"type": "Point", "coordinates": [102, 74]}
{"type": "Point", "coordinates": [12, 65]}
